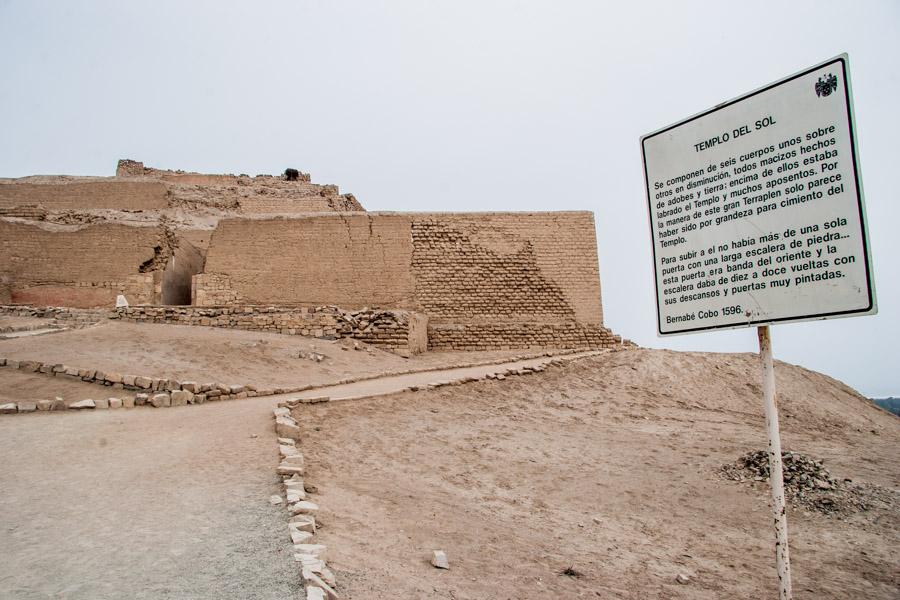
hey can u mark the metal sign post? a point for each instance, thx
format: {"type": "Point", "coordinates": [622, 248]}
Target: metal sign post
{"type": "Point", "coordinates": [756, 218]}
{"type": "Point", "coordinates": [776, 474]}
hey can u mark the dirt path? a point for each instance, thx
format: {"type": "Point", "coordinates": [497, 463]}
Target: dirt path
{"type": "Point", "coordinates": [149, 503]}
{"type": "Point", "coordinates": [392, 384]}
{"type": "Point", "coordinates": [145, 504]}
{"type": "Point", "coordinates": [29, 333]}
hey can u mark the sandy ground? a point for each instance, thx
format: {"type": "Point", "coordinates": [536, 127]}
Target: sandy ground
{"type": "Point", "coordinates": [143, 504]}
{"type": "Point", "coordinates": [221, 355]}
{"type": "Point", "coordinates": [16, 386]}
{"type": "Point", "coordinates": [398, 383]}
{"type": "Point", "coordinates": [16, 322]}
{"type": "Point", "coordinates": [607, 466]}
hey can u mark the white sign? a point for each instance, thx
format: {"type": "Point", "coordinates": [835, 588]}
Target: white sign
{"type": "Point", "coordinates": [756, 209]}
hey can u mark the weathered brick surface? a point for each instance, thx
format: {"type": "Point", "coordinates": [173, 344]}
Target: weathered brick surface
{"type": "Point", "coordinates": [308, 204]}
{"type": "Point", "coordinates": [80, 267]}
{"type": "Point", "coordinates": [507, 267]}
{"type": "Point", "coordinates": [347, 260]}
{"type": "Point", "coordinates": [30, 212]}
{"type": "Point", "coordinates": [488, 280]}
{"type": "Point", "coordinates": [115, 194]}
{"type": "Point", "coordinates": [516, 336]}
{"type": "Point", "coordinates": [213, 289]}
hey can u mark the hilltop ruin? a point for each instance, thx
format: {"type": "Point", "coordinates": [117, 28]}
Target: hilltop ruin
{"type": "Point", "coordinates": [297, 257]}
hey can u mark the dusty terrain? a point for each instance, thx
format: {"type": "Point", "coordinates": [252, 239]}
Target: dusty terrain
{"type": "Point", "coordinates": [210, 354]}
{"type": "Point", "coordinates": [169, 503]}
{"type": "Point", "coordinates": [17, 386]}
{"type": "Point", "coordinates": [606, 466]}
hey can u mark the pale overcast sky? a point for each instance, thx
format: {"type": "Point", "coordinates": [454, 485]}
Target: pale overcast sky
{"type": "Point", "coordinates": [456, 106]}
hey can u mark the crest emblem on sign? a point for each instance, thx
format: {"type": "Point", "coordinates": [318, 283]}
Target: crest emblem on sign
{"type": "Point", "coordinates": [826, 85]}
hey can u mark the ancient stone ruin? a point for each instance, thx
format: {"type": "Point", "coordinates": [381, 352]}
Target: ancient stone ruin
{"type": "Point", "coordinates": [281, 253]}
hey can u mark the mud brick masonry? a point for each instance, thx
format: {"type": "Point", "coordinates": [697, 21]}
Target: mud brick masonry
{"type": "Point", "coordinates": [399, 331]}
{"type": "Point", "coordinates": [290, 256]}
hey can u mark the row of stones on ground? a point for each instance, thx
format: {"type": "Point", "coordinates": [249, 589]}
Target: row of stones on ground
{"type": "Point", "coordinates": [152, 391]}
{"type": "Point", "coordinates": [309, 555]}
{"type": "Point", "coordinates": [162, 399]}
{"type": "Point", "coordinates": [500, 376]}
{"type": "Point", "coordinates": [133, 382]}
{"type": "Point", "coordinates": [58, 404]}
{"type": "Point", "coordinates": [197, 393]}
{"type": "Point", "coordinates": [317, 577]}
{"type": "Point", "coordinates": [185, 397]}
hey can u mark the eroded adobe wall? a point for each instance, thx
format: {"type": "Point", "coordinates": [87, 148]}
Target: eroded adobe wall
{"type": "Point", "coordinates": [101, 194]}
{"type": "Point", "coordinates": [80, 267]}
{"type": "Point", "coordinates": [257, 195]}
{"type": "Point", "coordinates": [509, 280]}
{"type": "Point", "coordinates": [488, 280]}
{"type": "Point", "coordinates": [291, 206]}
{"type": "Point", "coordinates": [507, 267]}
{"type": "Point", "coordinates": [346, 260]}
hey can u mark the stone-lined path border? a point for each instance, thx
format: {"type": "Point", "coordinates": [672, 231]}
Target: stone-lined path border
{"type": "Point", "coordinates": [161, 392]}
{"type": "Point", "coordinates": [309, 555]}
{"type": "Point", "coordinates": [434, 378]}
{"type": "Point", "coordinates": [153, 391]}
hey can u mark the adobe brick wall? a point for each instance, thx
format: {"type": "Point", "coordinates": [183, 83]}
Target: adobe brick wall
{"type": "Point", "coordinates": [100, 194]}
{"type": "Point", "coordinates": [79, 267]}
{"type": "Point", "coordinates": [507, 267]}
{"type": "Point", "coordinates": [484, 280]}
{"type": "Point", "coordinates": [521, 335]}
{"type": "Point", "coordinates": [308, 204]}
{"type": "Point", "coordinates": [347, 260]}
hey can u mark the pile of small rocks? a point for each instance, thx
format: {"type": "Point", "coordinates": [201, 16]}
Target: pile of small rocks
{"type": "Point", "coordinates": [311, 355]}
{"type": "Point", "coordinates": [807, 483]}
{"type": "Point", "coordinates": [801, 473]}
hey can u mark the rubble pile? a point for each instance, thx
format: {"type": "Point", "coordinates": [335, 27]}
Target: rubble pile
{"type": "Point", "coordinates": [801, 473]}
{"type": "Point", "coordinates": [808, 484]}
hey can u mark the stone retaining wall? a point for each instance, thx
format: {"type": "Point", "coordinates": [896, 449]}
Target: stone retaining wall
{"type": "Point", "coordinates": [73, 318]}
{"type": "Point", "coordinates": [398, 331]}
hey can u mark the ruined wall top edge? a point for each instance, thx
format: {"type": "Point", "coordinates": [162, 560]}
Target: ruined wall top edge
{"type": "Point", "coordinates": [408, 214]}
{"type": "Point", "coordinates": [133, 168]}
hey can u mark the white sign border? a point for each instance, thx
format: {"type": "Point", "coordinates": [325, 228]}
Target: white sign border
{"type": "Point", "coordinates": [872, 308]}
